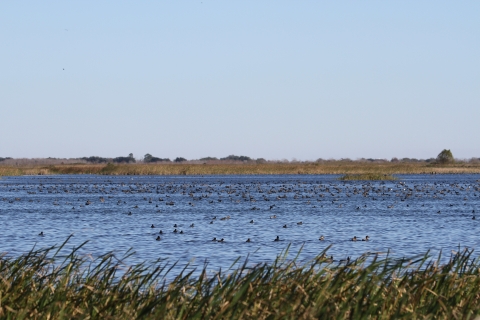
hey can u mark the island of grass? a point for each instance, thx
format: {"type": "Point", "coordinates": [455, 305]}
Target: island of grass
{"type": "Point", "coordinates": [367, 176]}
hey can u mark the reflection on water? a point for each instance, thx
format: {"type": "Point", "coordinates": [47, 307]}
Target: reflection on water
{"type": "Point", "coordinates": [406, 217]}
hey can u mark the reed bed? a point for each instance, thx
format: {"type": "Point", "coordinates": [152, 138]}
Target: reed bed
{"type": "Point", "coordinates": [335, 167]}
{"type": "Point", "coordinates": [43, 284]}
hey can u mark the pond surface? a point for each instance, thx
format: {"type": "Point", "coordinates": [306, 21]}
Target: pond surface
{"type": "Point", "coordinates": [115, 213]}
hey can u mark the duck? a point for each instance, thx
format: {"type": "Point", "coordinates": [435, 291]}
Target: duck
{"type": "Point", "coordinates": [192, 225]}
{"type": "Point", "coordinates": [273, 217]}
{"type": "Point", "coordinates": [158, 238]}
{"type": "Point", "coordinates": [214, 239]}
{"type": "Point", "coordinates": [175, 231]}
{"type": "Point", "coordinates": [181, 232]}
{"type": "Point", "coordinates": [251, 221]}
{"type": "Point", "coordinates": [321, 238]}
{"type": "Point", "coordinates": [354, 238]}
{"type": "Point", "coordinates": [175, 225]}
{"type": "Point", "coordinates": [277, 238]}
{"type": "Point", "coordinates": [41, 234]}
{"type": "Point", "coordinates": [248, 240]}
{"type": "Point", "coordinates": [366, 238]}
{"type": "Point", "coordinates": [284, 225]}
{"type": "Point", "coordinates": [152, 226]}
{"type": "Point", "coordinates": [221, 240]}
{"type": "Point", "coordinates": [161, 232]}
{"type": "Point", "coordinates": [300, 223]}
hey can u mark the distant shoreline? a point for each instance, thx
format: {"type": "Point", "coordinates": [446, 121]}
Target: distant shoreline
{"type": "Point", "coordinates": [311, 168]}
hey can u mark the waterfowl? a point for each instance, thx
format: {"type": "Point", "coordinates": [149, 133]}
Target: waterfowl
{"type": "Point", "coordinates": [277, 238]}
{"type": "Point", "coordinates": [211, 222]}
{"type": "Point", "coordinates": [251, 221]}
{"type": "Point", "coordinates": [284, 225]}
{"type": "Point", "coordinates": [161, 232]}
{"type": "Point", "coordinates": [175, 225]}
{"type": "Point", "coordinates": [175, 231]}
{"type": "Point", "coordinates": [366, 238]}
{"type": "Point", "coordinates": [214, 239]}
{"type": "Point", "coordinates": [41, 234]}
{"type": "Point", "coordinates": [321, 238]}
{"type": "Point", "coordinates": [152, 226]}
{"type": "Point", "coordinates": [300, 223]}
{"type": "Point", "coordinates": [158, 238]}
{"type": "Point", "coordinates": [192, 225]}
{"type": "Point", "coordinates": [273, 217]}
{"type": "Point", "coordinates": [354, 238]}
{"type": "Point", "coordinates": [221, 240]}
{"type": "Point", "coordinates": [248, 240]}
{"type": "Point", "coordinates": [181, 232]}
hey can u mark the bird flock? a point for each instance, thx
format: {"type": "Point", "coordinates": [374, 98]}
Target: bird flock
{"type": "Point", "coordinates": [274, 204]}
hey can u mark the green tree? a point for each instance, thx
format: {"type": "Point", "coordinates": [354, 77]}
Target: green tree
{"type": "Point", "coordinates": [445, 157]}
{"type": "Point", "coordinates": [147, 158]}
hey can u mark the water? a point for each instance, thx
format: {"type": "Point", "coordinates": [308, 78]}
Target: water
{"type": "Point", "coordinates": [406, 217]}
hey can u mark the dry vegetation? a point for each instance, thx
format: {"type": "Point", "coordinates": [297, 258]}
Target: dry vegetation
{"type": "Point", "coordinates": [38, 286]}
{"type": "Point", "coordinates": [327, 167]}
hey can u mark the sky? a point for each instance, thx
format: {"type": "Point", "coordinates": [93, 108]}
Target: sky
{"type": "Point", "coordinates": [267, 79]}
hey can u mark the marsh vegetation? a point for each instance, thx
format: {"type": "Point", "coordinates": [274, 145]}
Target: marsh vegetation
{"type": "Point", "coordinates": [45, 284]}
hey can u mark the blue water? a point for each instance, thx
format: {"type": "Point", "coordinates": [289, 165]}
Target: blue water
{"type": "Point", "coordinates": [406, 217]}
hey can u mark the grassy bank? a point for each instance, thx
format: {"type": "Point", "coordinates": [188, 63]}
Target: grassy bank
{"type": "Point", "coordinates": [34, 286]}
{"type": "Point", "coordinates": [336, 167]}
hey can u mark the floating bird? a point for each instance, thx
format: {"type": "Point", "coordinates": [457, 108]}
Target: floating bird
{"type": "Point", "coordinates": [277, 238]}
{"type": "Point", "coordinates": [321, 238]}
{"type": "Point", "coordinates": [248, 240]}
{"type": "Point", "coordinates": [158, 238]}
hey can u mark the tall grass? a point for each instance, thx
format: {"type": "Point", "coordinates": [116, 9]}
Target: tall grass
{"type": "Point", "coordinates": [42, 284]}
{"type": "Point", "coordinates": [335, 167]}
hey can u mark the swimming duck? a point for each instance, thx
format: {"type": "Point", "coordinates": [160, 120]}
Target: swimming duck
{"type": "Point", "coordinates": [175, 225]}
{"type": "Point", "coordinates": [192, 225]}
{"type": "Point", "coordinates": [181, 232]}
{"type": "Point", "coordinates": [251, 221]}
{"type": "Point", "coordinates": [158, 238]}
{"type": "Point", "coordinates": [221, 240]}
{"type": "Point", "coordinates": [214, 239]}
{"type": "Point", "coordinates": [300, 223]}
{"type": "Point", "coordinates": [175, 231]}
{"type": "Point", "coordinates": [41, 234]}
{"type": "Point", "coordinates": [366, 238]}
{"type": "Point", "coordinates": [161, 232]}
{"type": "Point", "coordinates": [285, 226]}
{"type": "Point", "coordinates": [273, 217]}
{"type": "Point", "coordinates": [152, 226]}
{"type": "Point", "coordinates": [321, 238]}
{"type": "Point", "coordinates": [354, 238]}
{"type": "Point", "coordinates": [248, 240]}
{"type": "Point", "coordinates": [277, 238]}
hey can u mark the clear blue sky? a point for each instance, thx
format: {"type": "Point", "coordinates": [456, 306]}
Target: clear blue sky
{"type": "Point", "coordinates": [271, 79]}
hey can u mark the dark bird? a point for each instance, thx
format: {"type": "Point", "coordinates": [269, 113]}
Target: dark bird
{"type": "Point", "coordinates": [41, 234]}
{"type": "Point", "coordinates": [152, 226]}
{"type": "Point", "coordinates": [158, 238]}
{"type": "Point", "coordinates": [277, 238]}
{"type": "Point", "coordinates": [248, 240]}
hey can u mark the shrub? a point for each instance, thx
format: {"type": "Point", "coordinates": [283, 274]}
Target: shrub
{"type": "Point", "coordinates": [180, 159]}
{"type": "Point", "coordinates": [236, 158]}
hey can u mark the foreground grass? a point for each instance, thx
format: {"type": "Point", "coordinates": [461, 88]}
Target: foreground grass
{"type": "Point", "coordinates": [334, 167]}
{"type": "Point", "coordinates": [36, 286]}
